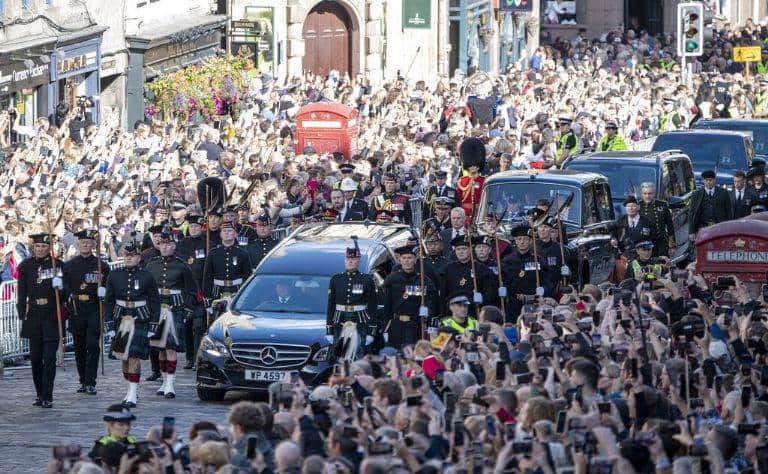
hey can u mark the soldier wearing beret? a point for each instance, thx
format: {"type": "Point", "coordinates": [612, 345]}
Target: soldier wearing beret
{"type": "Point", "coordinates": [263, 241]}
{"type": "Point", "coordinates": [132, 301]}
{"type": "Point", "coordinates": [352, 298]}
{"type": "Point", "coordinates": [178, 296]}
{"type": "Point", "coordinates": [39, 280]}
{"type": "Point", "coordinates": [86, 285]}
{"type": "Point", "coordinates": [403, 297]}
{"type": "Point", "coordinates": [227, 266]}
{"type": "Point", "coordinates": [632, 228]}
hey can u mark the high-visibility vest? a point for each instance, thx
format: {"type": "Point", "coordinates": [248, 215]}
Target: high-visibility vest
{"type": "Point", "coordinates": [453, 324]}
{"type": "Point", "coordinates": [637, 269]}
{"type": "Point", "coordinates": [612, 144]}
{"type": "Point", "coordinates": [561, 144]}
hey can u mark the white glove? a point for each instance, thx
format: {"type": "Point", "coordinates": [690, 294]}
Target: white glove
{"type": "Point", "coordinates": [329, 338]}
{"type": "Point", "coordinates": [423, 311]}
{"type": "Point", "coordinates": [57, 283]}
{"type": "Point", "coordinates": [368, 340]}
{"type": "Point", "coordinates": [540, 291]}
{"type": "Point", "coordinates": [477, 297]}
{"type": "Point", "coordinates": [101, 292]}
{"type": "Point", "coordinates": [502, 292]}
{"type": "Point", "coordinates": [150, 334]}
{"type": "Point", "coordinates": [565, 271]}
{"type": "Point", "coordinates": [386, 337]}
{"type": "Point", "coordinates": [110, 334]}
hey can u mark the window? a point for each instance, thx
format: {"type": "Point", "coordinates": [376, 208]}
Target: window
{"type": "Point", "coordinates": [559, 12]}
{"type": "Point", "coordinates": [25, 4]}
{"type": "Point", "coordinates": [2, 7]}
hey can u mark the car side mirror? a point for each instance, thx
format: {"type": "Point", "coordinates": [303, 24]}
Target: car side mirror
{"type": "Point", "coordinates": [220, 306]}
{"type": "Point", "coordinates": [675, 202]}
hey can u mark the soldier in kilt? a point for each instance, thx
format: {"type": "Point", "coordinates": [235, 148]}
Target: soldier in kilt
{"type": "Point", "coordinates": [132, 301]}
{"type": "Point", "coordinates": [178, 294]}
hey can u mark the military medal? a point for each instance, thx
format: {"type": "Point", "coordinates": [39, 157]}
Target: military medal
{"type": "Point", "coordinates": [136, 285]}
{"type": "Point", "coordinates": [521, 274]}
{"type": "Point", "coordinates": [234, 260]}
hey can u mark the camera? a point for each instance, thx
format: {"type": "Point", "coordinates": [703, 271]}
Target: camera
{"type": "Point", "coordinates": [85, 101]}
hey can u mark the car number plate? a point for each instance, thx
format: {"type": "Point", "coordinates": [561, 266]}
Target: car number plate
{"type": "Point", "coordinates": [264, 375]}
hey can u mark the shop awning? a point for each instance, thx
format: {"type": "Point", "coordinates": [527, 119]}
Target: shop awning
{"type": "Point", "coordinates": [156, 33]}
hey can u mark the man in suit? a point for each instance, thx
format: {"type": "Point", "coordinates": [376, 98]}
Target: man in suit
{"type": "Point", "coordinates": [458, 227]}
{"type": "Point", "coordinates": [632, 228]}
{"type": "Point", "coordinates": [710, 204]}
{"type": "Point", "coordinates": [741, 196]}
{"type": "Point", "coordinates": [439, 190]}
{"type": "Point", "coordinates": [354, 209]}
{"type": "Point", "coordinates": [283, 294]}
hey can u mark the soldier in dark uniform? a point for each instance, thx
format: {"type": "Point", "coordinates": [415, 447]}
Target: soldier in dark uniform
{"type": "Point", "coordinates": [434, 255]}
{"type": "Point", "coordinates": [245, 233]}
{"type": "Point", "coordinates": [397, 203]}
{"type": "Point", "coordinates": [660, 217]}
{"type": "Point", "coordinates": [549, 250]}
{"type": "Point", "coordinates": [36, 305]}
{"type": "Point", "coordinates": [352, 298]}
{"type": "Point", "coordinates": [457, 277]}
{"type": "Point", "coordinates": [518, 270]}
{"type": "Point", "coordinates": [133, 302]}
{"type": "Point", "coordinates": [757, 189]}
{"type": "Point", "coordinates": [403, 312]}
{"type": "Point", "coordinates": [227, 266]}
{"type": "Point", "coordinates": [263, 241]}
{"type": "Point", "coordinates": [151, 252]}
{"type": "Point", "coordinates": [192, 251]}
{"type": "Point", "coordinates": [438, 190]}
{"type": "Point", "coordinates": [631, 228]}
{"type": "Point", "coordinates": [212, 229]}
{"type": "Point", "coordinates": [86, 286]}
{"type": "Point", "coordinates": [442, 212]}
{"type": "Point", "coordinates": [178, 295]}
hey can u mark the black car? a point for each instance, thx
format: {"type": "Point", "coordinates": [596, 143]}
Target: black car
{"type": "Point", "coordinates": [262, 336]}
{"type": "Point", "coordinates": [720, 150]}
{"type": "Point", "coordinates": [756, 129]}
{"type": "Point", "coordinates": [670, 172]}
{"type": "Point", "coordinates": [587, 221]}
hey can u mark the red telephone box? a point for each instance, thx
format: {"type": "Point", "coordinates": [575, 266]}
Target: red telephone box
{"type": "Point", "coordinates": [327, 127]}
{"type": "Point", "coordinates": [737, 248]}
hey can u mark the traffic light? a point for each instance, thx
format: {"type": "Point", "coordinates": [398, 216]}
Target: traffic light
{"type": "Point", "coordinates": [690, 29]}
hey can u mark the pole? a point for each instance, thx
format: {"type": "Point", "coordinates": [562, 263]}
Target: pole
{"type": "Point", "coordinates": [423, 312]}
{"type": "Point", "coordinates": [535, 255]}
{"type": "Point", "coordinates": [98, 270]}
{"type": "Point", "coordinates": [502, 299]}
{"type": "Point", "coordinates": [560, 237]}
{"type": "Point", "coordinates": [54, 272]}
{"type": "Point", "coordinates": [683, 70]}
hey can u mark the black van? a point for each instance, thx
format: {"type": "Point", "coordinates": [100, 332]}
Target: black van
{"type": "Point", "coordinates": [721, 150]}
{"type": "Point", "coordinates": [757, 130]}
{"type": "Point", "coordinates": [262, 336]}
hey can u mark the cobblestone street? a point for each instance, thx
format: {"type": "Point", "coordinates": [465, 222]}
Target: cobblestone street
{"type": "Point", "coordinates": [28, 433]}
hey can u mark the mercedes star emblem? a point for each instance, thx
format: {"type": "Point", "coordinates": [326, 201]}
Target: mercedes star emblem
{"type": "Point", "coordinates": [269, 355]}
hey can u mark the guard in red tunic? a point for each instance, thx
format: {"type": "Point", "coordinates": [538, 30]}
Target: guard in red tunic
{"type": "Point", "coordinates": [470, 185]}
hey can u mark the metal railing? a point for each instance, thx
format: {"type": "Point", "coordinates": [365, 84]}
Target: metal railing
{"type": "Point", "coordinates": [12, 345]}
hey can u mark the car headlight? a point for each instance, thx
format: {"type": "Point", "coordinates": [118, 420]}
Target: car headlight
{"type": "Point", "coordinates": [214, 347]}
{"type": "Point", "coordinates": [322, 355]}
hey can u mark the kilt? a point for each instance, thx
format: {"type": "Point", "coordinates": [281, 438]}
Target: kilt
{"type": "Point", "coordinates": [138, 341]}
{"type": "Point", "coordinates": [171, 338]}
{"type": "Point", "coordinates": [177, 343]}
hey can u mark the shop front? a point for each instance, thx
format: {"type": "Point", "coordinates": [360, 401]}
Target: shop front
{"type": "Point", "coordinates": [75, 79]}
{"type": "Point", "coordinates": [24, 86]}
{"type": "Point", "coordinates": [163, 50]}
{"type": "Point", "coordinates": [471, 34]}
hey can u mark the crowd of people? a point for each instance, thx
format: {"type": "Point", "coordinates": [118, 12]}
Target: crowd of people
{"type": "Point", "coordinates": [661, 371]}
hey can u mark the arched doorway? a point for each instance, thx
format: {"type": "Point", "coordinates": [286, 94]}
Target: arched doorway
{"type": "Point", "coordinates": [329, 40]}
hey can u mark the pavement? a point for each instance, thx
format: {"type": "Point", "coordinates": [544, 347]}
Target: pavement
{"type": "Point", "coordinates": [28, 433]}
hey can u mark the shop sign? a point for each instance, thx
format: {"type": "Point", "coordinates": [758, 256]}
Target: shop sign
{"type": "Point", "coordinates": [175, 49]}
{"type": "Point", "coordinates": [76, 64]}
{"type": "Point", "coordinates": [17, 76]}
{"type": "Point", "coordinates": [516, 5]}
{"type": "Point", "coordinates": [417, 14]}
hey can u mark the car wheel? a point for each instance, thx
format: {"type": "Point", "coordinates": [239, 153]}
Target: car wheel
{"type": "Point", "coordinates": [210, 394]}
